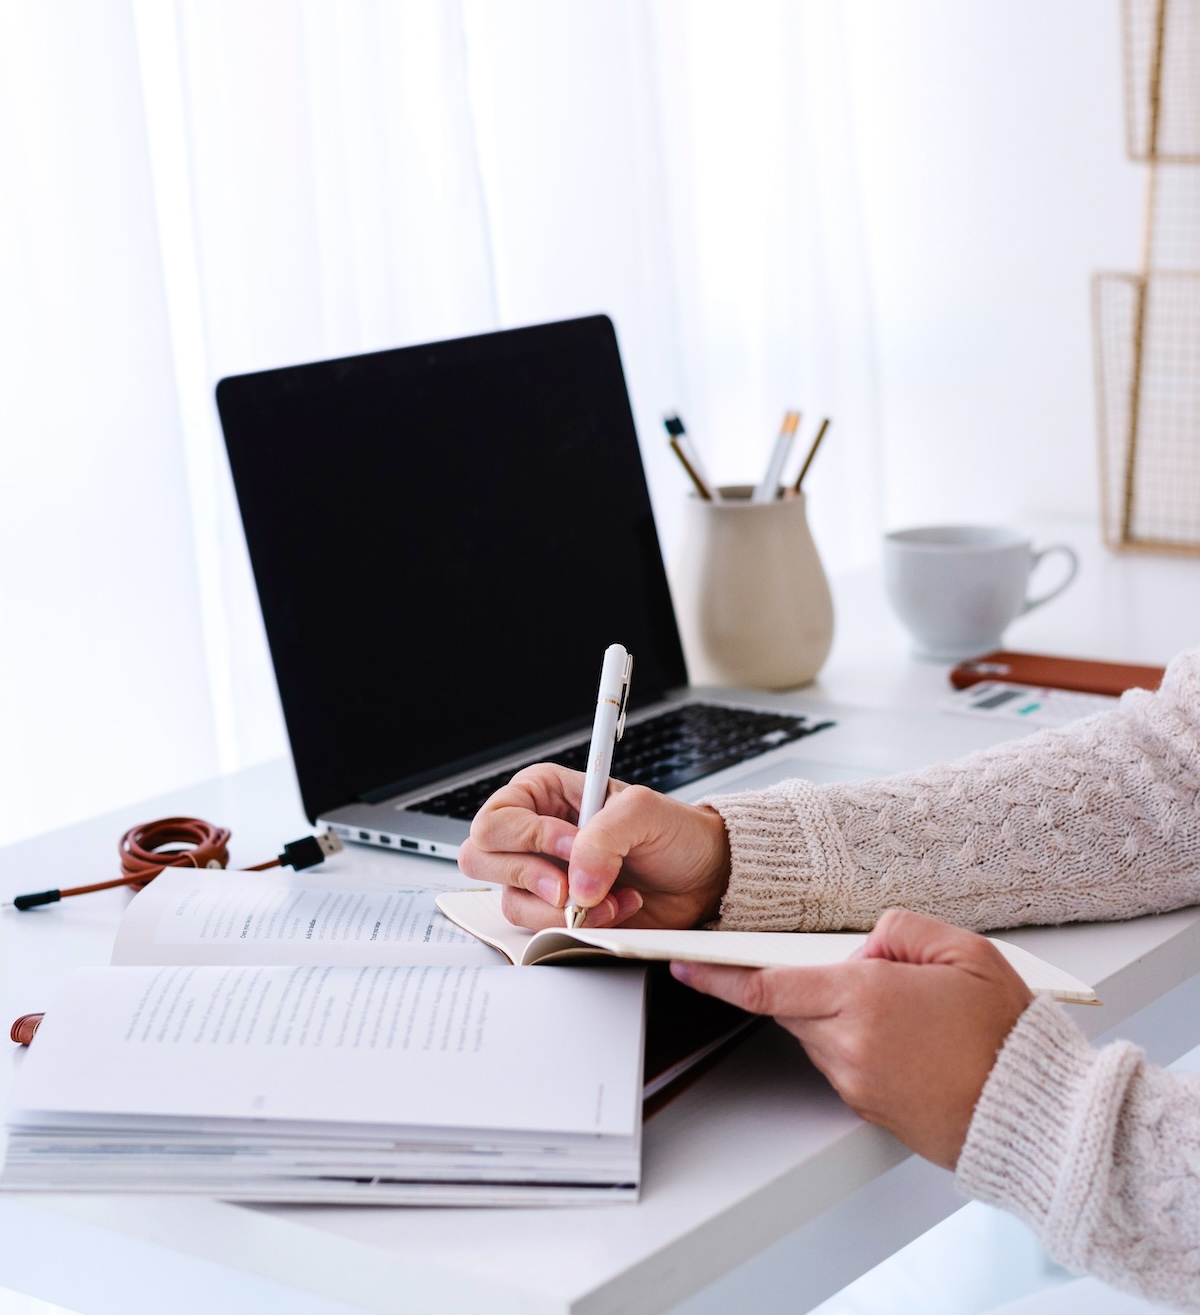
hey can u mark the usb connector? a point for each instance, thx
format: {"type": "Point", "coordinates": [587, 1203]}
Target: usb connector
{"type": "Point", "coordinates": [310, 851]}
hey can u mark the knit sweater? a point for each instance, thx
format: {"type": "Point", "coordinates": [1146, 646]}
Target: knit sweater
{"type": "Point", "coordinates": [1097, 1150]}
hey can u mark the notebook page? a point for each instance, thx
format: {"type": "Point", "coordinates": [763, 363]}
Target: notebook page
{"type": "Point", "coordinates": [185, 916]}
{"type": "Point", "coordinates": [425, 1047]}
{"type": "Point", "coordinates": [479, 911]}
{"type": "Point", "coordinates": [1045, 978]}
{"type": "Point", "coordinates": [749, 949]}
{"type": "Point", "coordinates": [763, 949]}
{"type": "Point", "coordinates": [479, 914]}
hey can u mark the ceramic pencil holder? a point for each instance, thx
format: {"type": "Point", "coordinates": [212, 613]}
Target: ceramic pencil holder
{"type": "Point", "coordinates": [752, 597]}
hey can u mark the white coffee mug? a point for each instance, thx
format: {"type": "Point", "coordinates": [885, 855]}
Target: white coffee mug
{"type": "Point", "coordinates": [956, 587]}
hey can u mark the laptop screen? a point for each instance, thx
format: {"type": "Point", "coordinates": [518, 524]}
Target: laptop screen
{"type": "Point", "coordinates": [445, 539]}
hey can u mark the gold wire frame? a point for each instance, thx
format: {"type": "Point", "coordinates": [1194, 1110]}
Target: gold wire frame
{"type": "Point", "coordinates": [1147, 326]}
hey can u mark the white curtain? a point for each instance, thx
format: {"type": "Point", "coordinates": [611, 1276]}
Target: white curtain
{"type": "Point", "coordinates": [104, 686]}
{"type": "Point", "coordinates": [205, 187]}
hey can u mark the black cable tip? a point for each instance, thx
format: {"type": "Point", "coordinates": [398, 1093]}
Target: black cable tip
{"type": "Point", "coordinates": [673, 425]}
{"type": "Point", "coordinates": [32, 901]}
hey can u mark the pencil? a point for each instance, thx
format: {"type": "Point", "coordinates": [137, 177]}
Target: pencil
{"type": "Point", "coordinates": [812, 452]}
{"type": "Point", "coordinates": [701, 487]}
{"type": "Point", "coordinates": [690, 458]}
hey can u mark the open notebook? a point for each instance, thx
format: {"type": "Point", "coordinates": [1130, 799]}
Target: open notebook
{"type": "Point", "coordinates": [260, 918]}
{"type": "Point", "coordinates": [313, 1037]}
{"type": "Point", "coordinates": [478, 912]}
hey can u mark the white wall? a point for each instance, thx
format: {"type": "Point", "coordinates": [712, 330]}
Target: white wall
{"type": "Point", "coordinates": [888, 211]}
{"type": "Point", "coordinates": [104, 691]}
{"type": "Point", "coordinates": [994, 182]}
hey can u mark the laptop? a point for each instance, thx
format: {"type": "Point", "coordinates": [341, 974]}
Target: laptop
{"type": "Point", "coordinates": [445, 538]}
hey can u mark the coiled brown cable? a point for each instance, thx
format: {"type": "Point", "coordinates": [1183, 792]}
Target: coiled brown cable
{"type": "Point", "coordinates": [151, 846]}
{"type": "Point", "coordinates": [172, 842]}
{"type": "Point", "coordinates": [145, 850]}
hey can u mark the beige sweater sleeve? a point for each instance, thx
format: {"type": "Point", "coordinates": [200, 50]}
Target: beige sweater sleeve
{"type": "Point", "coordinates": [1098, 1151]}
{"type": "Point", "coordinates": [1097, 820]}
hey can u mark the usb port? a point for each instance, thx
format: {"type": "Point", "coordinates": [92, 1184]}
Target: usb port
{"type": "Point", "coordinates": [408, 844]}
{"type": "Point", "coordinates": [384, 840]}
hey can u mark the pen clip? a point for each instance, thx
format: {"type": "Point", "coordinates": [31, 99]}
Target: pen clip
{"type": "Point", "coordinates": [626, 678]}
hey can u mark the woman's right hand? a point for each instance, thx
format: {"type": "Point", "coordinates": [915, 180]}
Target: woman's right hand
{"type": "Point", "coordinates": [644, 860]}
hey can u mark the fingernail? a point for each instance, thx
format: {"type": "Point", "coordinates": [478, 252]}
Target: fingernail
{"type": "Point", "coordinates": [550, 889]}
{"type": "Point", "coordinates": [628, 903]}
{"type": "Point", "coordinates": [682, 972]}
{"type": "Point", "coordinates": [563, 846]}
{"type": "Point", "coordinates": [601, 915]}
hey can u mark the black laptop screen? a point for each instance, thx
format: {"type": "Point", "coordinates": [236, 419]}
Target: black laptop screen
{"type": "Point", "coordinates": [445, 538]}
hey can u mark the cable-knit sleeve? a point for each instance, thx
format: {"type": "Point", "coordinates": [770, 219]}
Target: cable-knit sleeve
{"type": "Point", "coordinates": [1097, 820]}
{"type": "Point", "coordinates": [1098, 1151]}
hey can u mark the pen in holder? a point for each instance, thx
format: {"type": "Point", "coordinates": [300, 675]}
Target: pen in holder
{"type": "Point", "coordinates": [751, 594]}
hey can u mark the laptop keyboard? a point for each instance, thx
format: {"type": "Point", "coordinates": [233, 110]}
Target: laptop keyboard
{"type": "Point", "coordinates": [663, 752]}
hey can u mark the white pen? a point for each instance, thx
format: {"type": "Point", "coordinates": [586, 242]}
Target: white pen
{"type": "Point", "coordinates": [607, 728]}
{"type": "Point", "coordinates": [767, 489]}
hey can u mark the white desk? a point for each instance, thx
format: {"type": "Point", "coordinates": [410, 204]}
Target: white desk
{"type": "Point", "coordinates": [760, 1190]}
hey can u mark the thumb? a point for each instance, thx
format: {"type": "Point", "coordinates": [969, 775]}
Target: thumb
{"type": "Point", "coordinates": [906, 937]}
{"type": "Point", "coordinates": [601, 846]}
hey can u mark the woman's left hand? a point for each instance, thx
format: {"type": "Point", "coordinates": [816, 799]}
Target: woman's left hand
{"type": "Point", "coordinates": [907, 1033]}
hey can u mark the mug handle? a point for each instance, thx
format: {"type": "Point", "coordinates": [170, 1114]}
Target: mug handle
{"type": "Point", "coordinates": [1030, 603]}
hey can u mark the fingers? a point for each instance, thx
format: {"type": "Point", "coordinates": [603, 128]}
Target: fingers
{"type": "Point", "coordinates": [540, 876]}
{"type": "Point", "coordinates": [525, 838]}
{"type": "Point", "coordinates": [629, 819]}
{"type": "Point", "coordinates": [529, 814]}
{"type": "Point", "coordinates": [792, 993]}
{"type": "Point", "coordinates": [906, 937]}
{"type": "Point", "coordinates": [525, 910]}
{"type": "Point", "coordinates": [799, 993]}
{"type": "Point", "coordinates": [907, 1034]}
{"type": "Point", "coordinates": [522, 835]}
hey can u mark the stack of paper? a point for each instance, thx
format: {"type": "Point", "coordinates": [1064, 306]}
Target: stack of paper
{"type": "Point", "coordinates": [399, 1084]}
